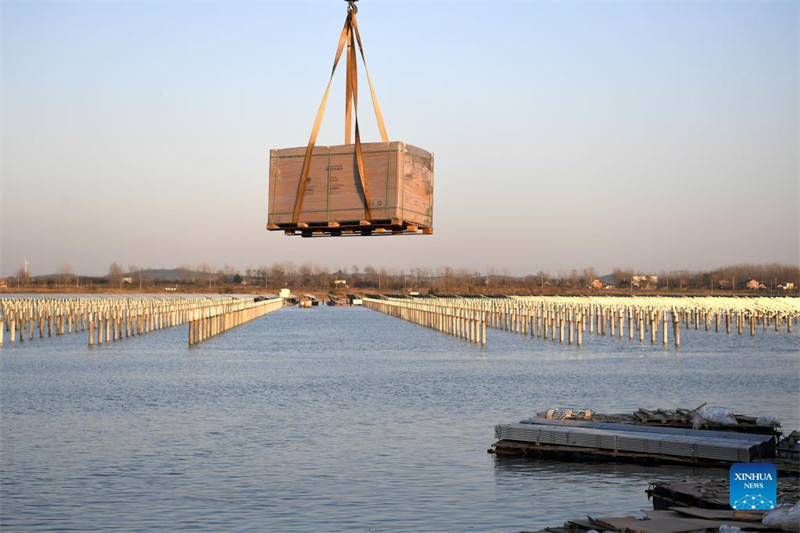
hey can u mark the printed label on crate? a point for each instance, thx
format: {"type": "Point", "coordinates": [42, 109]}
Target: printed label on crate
{"type": "Point", "coordinates": [753, 486]}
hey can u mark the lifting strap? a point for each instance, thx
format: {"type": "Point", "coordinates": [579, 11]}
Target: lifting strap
{"type": "Point", "coordinates": [349, 37]}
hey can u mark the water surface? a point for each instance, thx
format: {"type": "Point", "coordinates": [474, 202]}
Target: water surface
{"type": "Point", "coordinates": [334, 419]}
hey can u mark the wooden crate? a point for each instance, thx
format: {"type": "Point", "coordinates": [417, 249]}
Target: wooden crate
{"type": "Point", "coordinates": [399, 183]}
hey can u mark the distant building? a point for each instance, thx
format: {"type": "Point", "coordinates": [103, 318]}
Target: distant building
{"type": "Point", "coordinates": [754, 284]}
{"type": "Point", "coordinates": [127, 280]}
{"type": "Point", "coordinates": [286, 293]}
{"type": "Point", "coordinates": [644, 282]}
{"type": "Point", "coordinates": [786, 286]}
{"type": "Point", "coordinates": [340, 282]}
{"type": "Point", "coordinates": [597, 284]}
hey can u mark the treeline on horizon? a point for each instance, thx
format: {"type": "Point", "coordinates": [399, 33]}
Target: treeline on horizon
{"type": "Point", "coordinates": [445, 279]}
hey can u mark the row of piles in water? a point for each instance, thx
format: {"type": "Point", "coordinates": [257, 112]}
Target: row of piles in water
{"type": "Point", "coordinates": [468, 324]}
{"type": "Point", "coordinates": [568, 319]}
{"type": "Point", "coordinates": [109, 319]}
{"type": "Point", "coordinates": [219, 319]}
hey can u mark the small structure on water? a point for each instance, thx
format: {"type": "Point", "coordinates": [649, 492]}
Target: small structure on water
{"type": "Point", "coordinates": [337, 301]}
{"type": "Point", "coordinates": [354, 299]}
{"type": "Point", "coordinates": [308, 301]}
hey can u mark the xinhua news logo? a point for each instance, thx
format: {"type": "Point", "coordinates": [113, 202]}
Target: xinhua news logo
{"type": "Point", "coordinates": [753, 486]}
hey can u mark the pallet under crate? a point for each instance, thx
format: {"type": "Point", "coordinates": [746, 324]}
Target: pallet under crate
{"type": "Point", "coordinates": [396, 199]}
{"type": "Point", "coordinates": [352, 228]}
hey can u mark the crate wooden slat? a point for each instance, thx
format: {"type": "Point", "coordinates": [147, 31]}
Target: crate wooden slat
{"type": "Point", "coordinates": [399, 183]}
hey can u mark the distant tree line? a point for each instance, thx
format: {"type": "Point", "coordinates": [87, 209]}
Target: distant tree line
{"type": "Point", "coordinates": [442, 280]}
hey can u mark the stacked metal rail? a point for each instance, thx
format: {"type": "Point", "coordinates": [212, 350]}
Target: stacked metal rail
{"type": "Point", "coordinates": [690, 445]}
{"type": "Point", "coordinates": [766, 446]}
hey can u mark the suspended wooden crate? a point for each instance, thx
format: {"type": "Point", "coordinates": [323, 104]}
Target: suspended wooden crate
{"type": "Point", "coordinates": [351, 189]}
{"type": "Point", "coordinates": [399, 184]}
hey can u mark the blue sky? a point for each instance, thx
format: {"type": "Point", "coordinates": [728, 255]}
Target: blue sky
{"type": "Point", "coordinates": [651, 135]}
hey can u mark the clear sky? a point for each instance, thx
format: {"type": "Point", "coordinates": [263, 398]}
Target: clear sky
{"type": "Point", "coordinates": [651, 135]}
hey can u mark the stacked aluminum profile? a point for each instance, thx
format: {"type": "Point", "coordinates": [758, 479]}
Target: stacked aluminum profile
{"type": "Point", "coordinates": [766, 444]}
{"type": "Point", "coordinates": [707, 446]}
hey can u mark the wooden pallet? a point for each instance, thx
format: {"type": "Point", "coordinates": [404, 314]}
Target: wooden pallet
{"type": "Point", "coordinates": [351, 228]}
{"type": "Point", "coordinates": [662, 418]}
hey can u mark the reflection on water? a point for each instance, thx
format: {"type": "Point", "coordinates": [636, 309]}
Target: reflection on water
{"type": "Point", "coordinates": [336, 418]}
{"type": "Point", "coordinates": [605, 488]}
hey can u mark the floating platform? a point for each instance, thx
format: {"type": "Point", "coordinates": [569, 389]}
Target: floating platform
{"type": "Point", "coordinates": [710, 494]}
{"type": "Point", "coordinates": [683, 507]}
{"type": "Point", "coordinates": [682, 520]}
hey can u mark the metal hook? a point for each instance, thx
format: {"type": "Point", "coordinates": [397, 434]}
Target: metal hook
{"type": "Point", "coordinates": [351, 6]}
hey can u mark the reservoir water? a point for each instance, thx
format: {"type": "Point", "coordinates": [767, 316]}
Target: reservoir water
{"type": "Point", "coordinates": [334, 419]}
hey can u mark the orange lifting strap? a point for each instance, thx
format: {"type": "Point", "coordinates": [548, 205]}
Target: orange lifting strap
{"type": "Point", "coordinates": [351, 37]}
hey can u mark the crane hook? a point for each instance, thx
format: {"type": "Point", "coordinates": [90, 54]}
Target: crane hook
{"type": "Point", "coordinates": [351, 6]}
